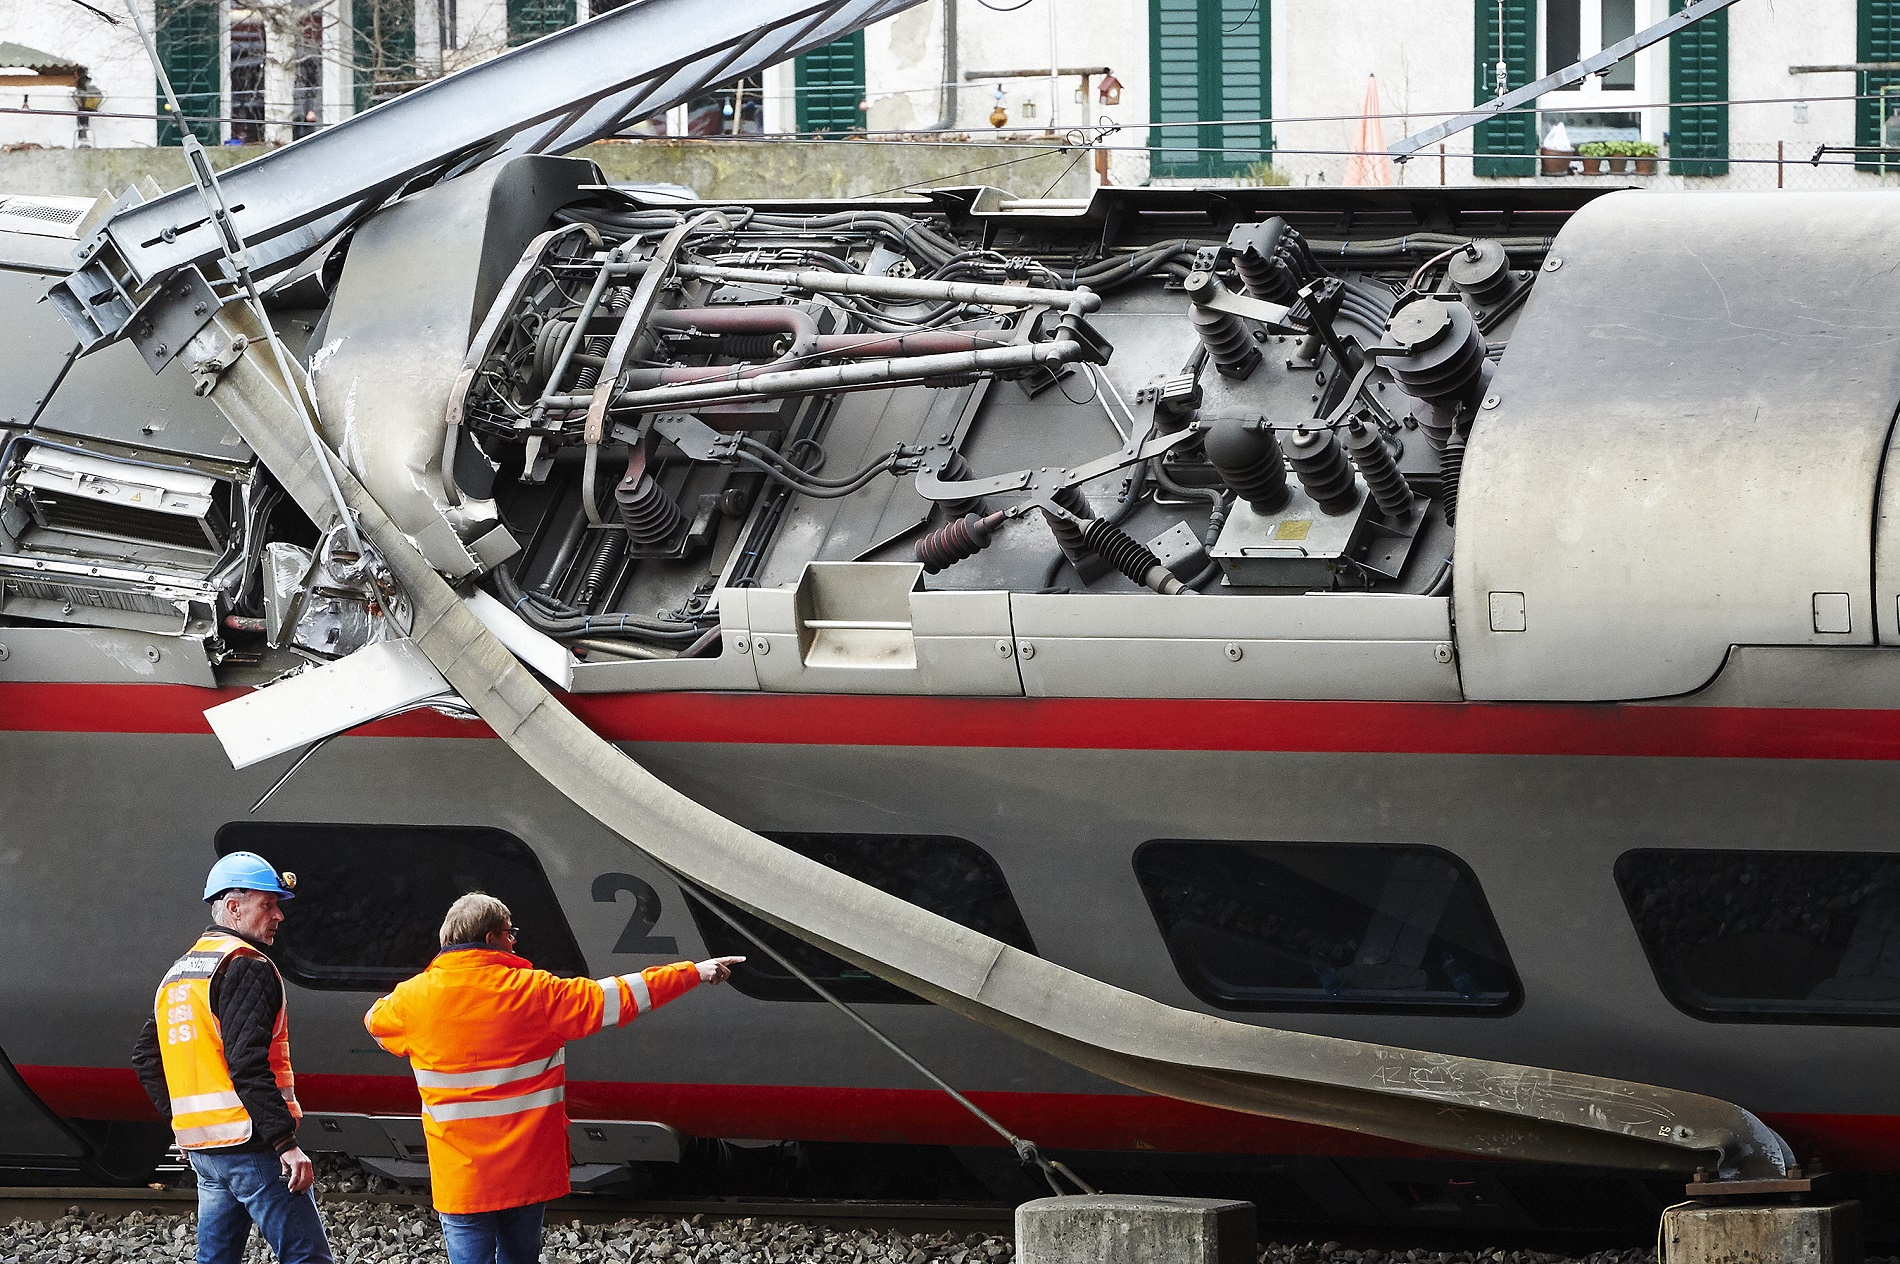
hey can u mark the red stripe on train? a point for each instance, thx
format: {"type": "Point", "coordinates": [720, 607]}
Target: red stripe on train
{"type": "Point", "coordinates": [1439, 728]}
{"type": "Point", "coordinates": [1078, 1121]}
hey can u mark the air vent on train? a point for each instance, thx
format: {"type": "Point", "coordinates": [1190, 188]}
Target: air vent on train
{"type": "Point", "coordinates": [43, 216]}
{"type": "Point", "coordinates": [87, 495]}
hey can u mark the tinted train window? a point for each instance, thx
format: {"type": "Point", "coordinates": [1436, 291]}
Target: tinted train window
{"type": "Point", "coordinates": [370, 898]}
{"type": "Point", "coordinates": [947, 876]}
{"type": "Point", "coordinates": [1324, 926]}
{"type": "Point", "coordinates": [1763, 936]}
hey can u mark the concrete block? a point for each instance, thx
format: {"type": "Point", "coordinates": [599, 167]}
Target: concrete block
{"type": "Point", "coordinates": [1127, 1229]}
{"type": "Point", "coordinates": [1717, 1233]}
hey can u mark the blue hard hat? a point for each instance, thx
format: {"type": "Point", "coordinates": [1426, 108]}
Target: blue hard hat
{"type": "Point", "coordinates": [247, 871]}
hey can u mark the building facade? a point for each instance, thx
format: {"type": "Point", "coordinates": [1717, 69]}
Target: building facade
{"type": "Point", "coordinates": [1161, 91]}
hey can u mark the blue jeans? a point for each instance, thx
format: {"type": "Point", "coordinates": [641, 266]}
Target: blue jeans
{"type": "Point", "coordinates": [236, 1189]}
{"type": "Point", "coordinates": [511, 1236]}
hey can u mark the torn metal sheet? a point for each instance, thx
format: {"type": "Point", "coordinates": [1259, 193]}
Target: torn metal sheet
{"type": "Point", "coordinates": [322, 701]}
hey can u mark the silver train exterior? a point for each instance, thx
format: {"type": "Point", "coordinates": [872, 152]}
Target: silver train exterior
{"type": "Point", "coordinates": [1604, 789]}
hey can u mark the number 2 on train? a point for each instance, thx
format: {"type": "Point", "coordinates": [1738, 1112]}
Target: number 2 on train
{"type": "Point", "coordinates": [639, 936]}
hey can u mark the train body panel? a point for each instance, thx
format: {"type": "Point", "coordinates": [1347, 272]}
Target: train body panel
{"type": "Point", "coordinates": [1540, 833]}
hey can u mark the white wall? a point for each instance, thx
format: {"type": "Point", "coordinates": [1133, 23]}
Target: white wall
{"type": "Point", "coordinates": [111, 54]}
{"type": "Point", "coordinates": [904, 68]}
{"type": "Point", "coordinates": [1323, 50]}
{"type": "Point", "coordinates": [1764, 40]}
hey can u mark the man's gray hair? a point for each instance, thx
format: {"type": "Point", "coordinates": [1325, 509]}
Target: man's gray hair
{"type": "Point", "coordinates": [473, 918]}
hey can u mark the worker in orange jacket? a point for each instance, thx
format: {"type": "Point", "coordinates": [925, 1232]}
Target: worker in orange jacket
{"type": "Point", "coordinates": [486, 1033]}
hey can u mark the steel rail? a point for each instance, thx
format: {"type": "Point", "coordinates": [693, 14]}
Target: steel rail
{"type": "Point", "coordinates": [1473, 1105]}
{"type": "Point", "coordinates": [50, 1202]}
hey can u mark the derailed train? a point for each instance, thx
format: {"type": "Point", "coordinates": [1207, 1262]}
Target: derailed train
{"type": "Point", "coordinates": [1084, 573]}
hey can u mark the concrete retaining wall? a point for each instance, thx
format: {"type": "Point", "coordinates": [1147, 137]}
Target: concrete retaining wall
{"type": "Point", "coordinates": [716, 169]}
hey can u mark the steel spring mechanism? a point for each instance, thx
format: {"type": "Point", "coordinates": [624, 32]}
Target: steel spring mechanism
{"type": "Point", "coordinates": [1374, 460]}
{"type": "Point", "coordinates": [951, 543]}
{"type": "Point", "coordinates": [608, 551]}
{"type": "Point", "coordinates": [1130, 557]}
{"type": "Point", "coordinates": [1323, 469]}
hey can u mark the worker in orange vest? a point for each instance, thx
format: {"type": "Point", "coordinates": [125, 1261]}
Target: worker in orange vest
{"type": "Point", "coordinates": [486, 1033]}
{"type": "Point", "coordinates": [215, 1060]}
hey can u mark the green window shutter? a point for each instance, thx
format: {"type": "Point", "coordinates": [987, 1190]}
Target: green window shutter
{"type": "Point", "coordinates": [531, 19]}
{"type": "Point", "coordinates": [1879, 41]}
{"type": "Point", "coordinates": [1208, 60]}
{"type": "Point", "coordinates": [830, 85]}
{"type": "Point", "coordinates": [189, 38]}
{"type": "Point", "coordinates": [1504, 145]}
{"type": "Point", "coordinates": [1698, 71]}
{"type": "Point", "coordinates": [384, 38]}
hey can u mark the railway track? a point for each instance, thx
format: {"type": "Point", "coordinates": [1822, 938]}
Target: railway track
{"type": "Point", "coordinates": [50, 1202]}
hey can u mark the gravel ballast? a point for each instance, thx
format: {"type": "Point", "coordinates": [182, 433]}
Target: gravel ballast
{"type": "Point", "coordinates": [382, 1233]}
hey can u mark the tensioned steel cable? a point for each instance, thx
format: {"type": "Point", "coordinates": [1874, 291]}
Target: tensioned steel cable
{"type": "Point", "coordinates": [1026, 1150]}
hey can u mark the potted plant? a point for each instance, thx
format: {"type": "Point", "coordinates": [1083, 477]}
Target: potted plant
{"type": "Point", "coordinates": [1642, 154]}
{"type": "Point", "coordinates": [1594, 153]}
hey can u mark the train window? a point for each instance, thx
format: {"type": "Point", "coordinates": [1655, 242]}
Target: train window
{"type": "Point", "coordinates": [1327, 926]}
{"type": "Point", "coordinates": [370, 898]}
{"type": "Point", "coordinates": [948, 876]}
{"type": "Point", "coordinates": [1767, 936]}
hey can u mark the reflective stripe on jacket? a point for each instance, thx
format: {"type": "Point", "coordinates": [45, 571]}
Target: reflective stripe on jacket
{"type": "Point", "coordinates": [206, 1111]}
{"type": "Point", "coordinates": [485, 1033]}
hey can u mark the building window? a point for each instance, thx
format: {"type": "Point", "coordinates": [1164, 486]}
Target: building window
{"type": "Point", "coordinates": [829, 82]}
{"type": "Point", "coordinates": [1618, 23]}
{"type": "Point", "coordinates": [1335, 927]}
{"type": "Point", "coordinates": [1210, 60]}
{"type": "Point", "coordinates": [306, 92]}
{"type": "Point", "coordinates": [1765, 936]}
{"type": "Point", "coordinates": [370, 898]}
{"type": "Point", "coordinates": [189, 38]}
{"type": "Point", "coordinates": [1575, 29]}
{"type": "Point", "coordinates": [738, 109]}
{"type": "Point", "coordinates": [1698, 71]}
{"type": "Point", "coordinates": [247, 81]}
{"type": "Point", "coordinates": [384, 40]}
{"type": "Point", "coordinates": [531, 19]}
{"type": "Point", "coordinates": [1507, 32]}
{"type": "Point", "coordinates": [947, 876]}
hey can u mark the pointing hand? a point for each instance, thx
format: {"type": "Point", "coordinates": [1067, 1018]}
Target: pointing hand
{"type": "Point", "coordinates": [718, 970]}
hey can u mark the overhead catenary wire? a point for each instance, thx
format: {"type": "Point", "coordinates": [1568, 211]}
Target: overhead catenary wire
{"type": "Point", "coordinates": [898, 136]}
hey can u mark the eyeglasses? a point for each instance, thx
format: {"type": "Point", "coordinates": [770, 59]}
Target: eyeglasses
{"type": "Point", "coordinates": [513, 933]}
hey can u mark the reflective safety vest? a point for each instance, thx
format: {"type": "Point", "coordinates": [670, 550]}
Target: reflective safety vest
{"type": "Point", "coordinates": [206, 1111]}
{"type": "Point", "coordinates": [485, 1033]}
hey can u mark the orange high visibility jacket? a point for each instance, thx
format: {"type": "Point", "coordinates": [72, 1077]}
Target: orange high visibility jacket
{"type": "Point", "coordinates": [206, 1111]}
{"type": "Point", "coordinates": [485, 1033]}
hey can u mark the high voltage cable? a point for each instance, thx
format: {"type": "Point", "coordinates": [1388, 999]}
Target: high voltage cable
{"type": "Point", "coordinates": [895, 136]}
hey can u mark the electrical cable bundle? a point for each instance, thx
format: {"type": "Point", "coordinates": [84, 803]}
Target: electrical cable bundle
{"type": "Point", "coordinates": [564, 622]}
